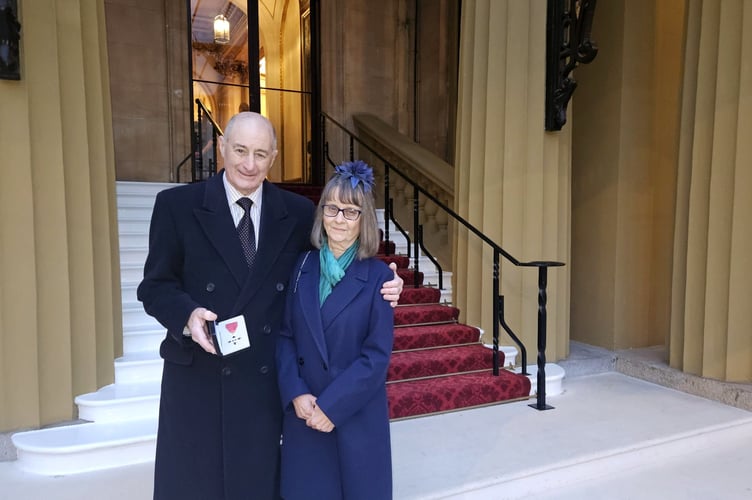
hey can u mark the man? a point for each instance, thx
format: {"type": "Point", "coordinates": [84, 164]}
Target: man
{"type": "Point", "coordinates": [220, 415]}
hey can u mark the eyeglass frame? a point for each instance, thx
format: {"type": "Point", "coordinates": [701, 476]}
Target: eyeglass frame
{"type": "Point", "coordinates": [344, 214]}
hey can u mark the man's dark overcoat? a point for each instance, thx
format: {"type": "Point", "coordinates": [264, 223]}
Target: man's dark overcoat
{"type": "Point", "coordinates": [219, 418]}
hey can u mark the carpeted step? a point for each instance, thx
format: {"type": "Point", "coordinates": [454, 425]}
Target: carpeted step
{"type": "Point", "coordinates": [420, 337]}
{"type": "Point", "coordinates": [420, 295]}
{"type": "Point", "coordinates": [384, 245]}
{"type": "Point", "coordinates": [407, 276]}
{"type": "Point", "coordinates": [440, 361]}
{"type": "Point", "coordinates": [402, 261]}
{"type": "Point", "coordinates": [425, 314]}
{"type": "Point", "coordinates": [466, 390]}
{"type": "Point", "coordinates": [313, 193]}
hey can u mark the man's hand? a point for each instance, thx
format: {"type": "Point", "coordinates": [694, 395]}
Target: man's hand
{"type": "Point", "coordinates": [197, 326]}
{"type": "Point", "coordinates": [304, 405]}
{"type": "Point", "coordinates": [391, 290]}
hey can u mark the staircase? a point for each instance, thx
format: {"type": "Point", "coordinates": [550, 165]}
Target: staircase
{"type": "Point", "coordinates": [438, 363]}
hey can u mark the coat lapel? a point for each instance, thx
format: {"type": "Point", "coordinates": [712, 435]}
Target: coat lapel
{"type": "Point", "coordinates": [216, 221]}
{"type": "Point", "coordinates": [344, 292]}
{"type": "Point", "coordinates": [307, 291]}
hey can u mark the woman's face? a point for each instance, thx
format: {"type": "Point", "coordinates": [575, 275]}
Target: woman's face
{"type": "Point", "coordinates": [340, 231]}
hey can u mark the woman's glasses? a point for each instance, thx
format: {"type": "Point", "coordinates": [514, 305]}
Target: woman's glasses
{"type": "Point", "coordinates": [348, 213]}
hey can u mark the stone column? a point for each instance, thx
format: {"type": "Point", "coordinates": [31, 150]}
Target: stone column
{"type": "Point", "coordinates": [711, 316]}
{"type": "Point", "coordinates": [512, 178]}
{"type": "Point", "coordinates": [59, 273]}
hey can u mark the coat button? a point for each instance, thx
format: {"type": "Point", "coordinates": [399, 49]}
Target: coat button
{"type": "Point", "coordinates": [267, 329]}
{"type": "Point", "coordinates": [264, 370]}
{"type": "Point", "coordinates": [280, 287]}
{"type": "Point", "coordinates": [210, 287]}
{"type": "Point", "coordinates": [226, 371]}
{"type": "Point", "coordinates": [301, 361]}
{"type": "Point", "coordinates": [326, 368]}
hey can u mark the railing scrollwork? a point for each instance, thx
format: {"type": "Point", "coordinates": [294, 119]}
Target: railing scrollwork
{"type": "Point", "coordinates": [568, 43]}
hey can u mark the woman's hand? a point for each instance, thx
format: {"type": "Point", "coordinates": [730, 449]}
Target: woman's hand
{"type": "Point", "coordinates": [319, 421]}
{"type": "Point", "coordinates": [303, 405]}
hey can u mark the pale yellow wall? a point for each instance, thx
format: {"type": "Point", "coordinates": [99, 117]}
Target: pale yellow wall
{"type": "Point", "coordinates": [712, 292]}
{"type": "Point", "coordinates": [59, 278]}
{"type": "Point", "coordinates": [512, 178]}
{"type": "Point", "coordinates": [625, 149]}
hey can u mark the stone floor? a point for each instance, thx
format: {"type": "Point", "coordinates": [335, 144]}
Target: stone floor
{"type": "Point", "coordinates": [609, 436]}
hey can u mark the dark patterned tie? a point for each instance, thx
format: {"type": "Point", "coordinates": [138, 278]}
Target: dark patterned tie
{"type": "Point", "coordinates": [246, 231]}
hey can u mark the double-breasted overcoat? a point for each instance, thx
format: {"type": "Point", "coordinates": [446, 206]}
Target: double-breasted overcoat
{"type": "Point", "coordinates": [339, 353]}
{"type": "Point", "coordinates": [219, 417]}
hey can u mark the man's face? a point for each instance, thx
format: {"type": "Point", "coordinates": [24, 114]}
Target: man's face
{"type": "Point", "coordinates": [248, 154]}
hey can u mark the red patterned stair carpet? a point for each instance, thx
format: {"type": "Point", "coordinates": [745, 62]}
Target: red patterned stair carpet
{"type": "Point", "coordinates": [439, 364]}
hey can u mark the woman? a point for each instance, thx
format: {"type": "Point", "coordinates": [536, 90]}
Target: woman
{"type": "Point", "coordinates": [333, 353]}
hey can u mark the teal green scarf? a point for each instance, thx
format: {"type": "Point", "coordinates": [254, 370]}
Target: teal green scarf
{"type": "Point", "coordinates": [333, 269]}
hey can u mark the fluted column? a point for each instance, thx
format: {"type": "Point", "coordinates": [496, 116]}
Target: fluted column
{"type": "Point", "coordinates": [711, 315]}
{"type": "Point", "coordinates": [59, 273]}
{"type": "Point", "coordinates": [512, 178]}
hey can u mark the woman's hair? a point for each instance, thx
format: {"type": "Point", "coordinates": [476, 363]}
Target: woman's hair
{"type": "Point", "coordinates": [341, 187]}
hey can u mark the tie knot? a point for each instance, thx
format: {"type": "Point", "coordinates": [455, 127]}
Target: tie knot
{"type": "Point", "coordinates": [245, 203]}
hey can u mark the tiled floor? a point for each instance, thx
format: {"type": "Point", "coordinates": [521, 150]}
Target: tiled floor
{"type": "Point", "coordinates": [609, 437]}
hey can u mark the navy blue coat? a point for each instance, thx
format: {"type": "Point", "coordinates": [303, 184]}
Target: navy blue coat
{"type": "Point", "coordinates": [339, 353]}
{"type": "Point", "coordinates": [219, 418]}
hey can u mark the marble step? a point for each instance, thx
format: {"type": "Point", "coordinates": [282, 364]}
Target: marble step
{"type": "Point", "coordinates": [145, 339]}
{"type": "Point", "coordinates": [135, 317]}
{"type": "Point", "coordinates": [134, 254]}
{"type": "Point", "coordinates": [136, 367]}
{"type": "Point", "coordinates": [119, 402]}
{"type": "Point", "coordinates": [131, 273]}
{"type": "Point", "coordinates": [91, 446]}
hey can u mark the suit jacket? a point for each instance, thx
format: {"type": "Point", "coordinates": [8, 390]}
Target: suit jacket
{"type": "Point", "coordinates": [339, 353]}
{"type": "Point", "coordinates": [220, 419]}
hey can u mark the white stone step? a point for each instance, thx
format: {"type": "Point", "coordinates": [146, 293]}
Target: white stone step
{"type": "Point", "coordinates": [510, 352]}
{"type": "Point", "coordinates": [118, 402]}
{"type": "Point", "coordinates": [131, 273]}
{"type": "Point", "coordinates": [72, 449]}
{"type": "Point", "coordinates": [135, 317]}
{"type": "Point", "coordinates": [127, 190]}
{"type": "Point", "coordinates": [134, 254]}
{"type": "Point", "coordinates": [136, 367]}
{"type": "Point", "coordinates": [554, 378]}
{"type": "Point", "coordinates": [136, 212]}
{"type": "Point", "coordinates": [142, 339]}
{"type": "Point", "coordinates": [134, 229]}
{"type": "Point", "coordinates": [134, 238]}
{"type": "Point", "coordinates": [128, 291]}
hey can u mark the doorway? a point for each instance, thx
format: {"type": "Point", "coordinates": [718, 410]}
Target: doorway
{"type": "Point", "coordinates": [254, 55]}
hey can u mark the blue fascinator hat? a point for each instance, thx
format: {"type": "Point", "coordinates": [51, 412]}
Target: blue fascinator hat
{"type": "Point", "coordinates": [356, 171]}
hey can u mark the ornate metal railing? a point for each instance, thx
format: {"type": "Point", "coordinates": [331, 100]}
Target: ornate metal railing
{"type": "Point", "coordinates": [204, 143]}
{"type": "Point", "coordinates": [498, 253]}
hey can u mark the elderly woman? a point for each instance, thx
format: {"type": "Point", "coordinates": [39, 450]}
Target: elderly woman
{"type": "Point", "coordinates": [333, 353]}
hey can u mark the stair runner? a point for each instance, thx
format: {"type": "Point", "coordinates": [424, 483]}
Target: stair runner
{"type": "Point", "coordinates": [439, 364]}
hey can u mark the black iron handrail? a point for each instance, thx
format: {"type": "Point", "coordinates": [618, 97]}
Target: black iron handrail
{"type": "Point", "coordinates": [180, 165]}
{"type": "Point", "coordinates": [498, 251]}
{"type": "Point", "coordinates": [198, 170]}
